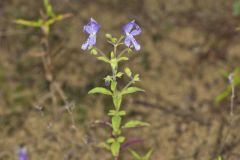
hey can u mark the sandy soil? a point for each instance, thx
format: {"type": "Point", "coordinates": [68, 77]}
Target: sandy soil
{"type": "Point", "coordinates": [187, 46]}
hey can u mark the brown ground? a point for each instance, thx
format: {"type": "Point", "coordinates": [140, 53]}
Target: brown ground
{"type": "Point", "coordinates": [187, 45]}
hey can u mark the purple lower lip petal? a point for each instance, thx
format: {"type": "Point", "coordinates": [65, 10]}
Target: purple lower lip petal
{"type": "Point", "coordinates": [22, 154]}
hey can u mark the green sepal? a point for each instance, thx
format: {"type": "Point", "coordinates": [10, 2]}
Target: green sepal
{"type": "Point", "coordinates": [130, 50]}
{"type": "Point", "coordinates": [119, 74]}
{"type": "Point", "coordinates": [93, 51]}
{"type": "Point", "coordinates": [136, 78]}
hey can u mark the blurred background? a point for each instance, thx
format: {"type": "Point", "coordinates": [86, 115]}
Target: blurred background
{"type": "Point", "coordinates": [188, 47]}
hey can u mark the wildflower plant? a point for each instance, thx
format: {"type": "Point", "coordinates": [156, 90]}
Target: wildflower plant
{"type": "Point", "coordinates": [117, 140]}
{"type": "Point", "coordinates": [234, 82]}
{"type": "Point", "coordinates": [45, 22]}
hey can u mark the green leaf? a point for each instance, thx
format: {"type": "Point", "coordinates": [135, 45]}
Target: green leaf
{"type": "Point", "coordinates": [100, 90]}
{"type": "Point", "coordinates": [131, 90]}
{"type": "Point", "coordinates": [135, 123]}
{"type": "Point", "coordinates": [121, 139]}
{"type": "Point", "coordinates": [119, 74]}
{"type": "Point", "coordinates": [108, 78]}
{"type": "Point", "coordinates": [104, 59]}
{"type": "Point", "coordinates": [122, 59]}
{"type": "Point", "coordinates": [93, 51]}
{"type": "Point", "coordinates": [104, 146]}
{"type": "Point", "coordinates": [136, 77]}
{"type": "Point", "coordinates": [121, 113]}
{"type": "Point", "coordinates": [37, 23]}
{"type": "Point", "coordinates": [116, 122]}
{"type": "Point", "coordinates": [115, 148]}
{"type": "Point", "coordinates": [223, 95]}
{"type": "Point", "coordinates": [135, 154]}
{"type": "Point", "coordinates": [148, 155]}
{"type": "Point", "coordinates": [113, 40]}
{"type": "Point", "coordinates": [130, 50]}
{"type": "Point", "coordinates": [236, 8]}
{"type": "Point", "coordinates": [110, 140]}
{"type": "Point", "coordinates": [48, 8]}
{"type": "Point", "coordinates": [128, 72]}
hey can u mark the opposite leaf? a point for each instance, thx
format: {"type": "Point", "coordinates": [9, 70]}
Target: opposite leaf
{"type": "Point", "coordinates": [135, 154]}
{"type": "Point", "coordinates": [115, 148]}
{"type": "Point", "coordinates": [135, 123]}
{"type": "Point", "coordinates": [128, 72]}
{"type": "Point", "coordinates": [48, 8]}
{"type": "Point", "coordinates": [100, 90]}
{"type": "Point", "coordinates": [148, 155]}
{"type": "Point", "coordinates": [116, 122]}
{"type": "Point", "coordinates": [37, 23]}
{"type": "Point", "coordinates": [132, 90]}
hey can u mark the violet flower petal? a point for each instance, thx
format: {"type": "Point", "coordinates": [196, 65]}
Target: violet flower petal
{"type": "Point", "coordinates": [135, 44]}
{"type": "Point", "coordinates": [128, 27]}
{"type": "Point", "coordinates": [127, 41]}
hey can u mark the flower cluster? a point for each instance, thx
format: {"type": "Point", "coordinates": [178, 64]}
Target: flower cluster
{"type": "Point", "coordinates": [117, 142]}
{"type": "Point", "coordinates": [130, 30]}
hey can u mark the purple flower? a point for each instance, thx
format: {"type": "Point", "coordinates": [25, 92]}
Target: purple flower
{"type": "Point", "coordinates": [107, 83]}
{"type": "Point", "coordinates": [22, 154]}
{"type": "Point", "coordinates": [130, 30]}
{"type": "Point", "coordinates": [91, 28]}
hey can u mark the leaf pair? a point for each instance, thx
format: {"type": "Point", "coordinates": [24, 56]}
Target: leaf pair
{"type": "Point", "coordinates": [115, 145]}
{"type": "Point", "coordinates": [139, 157]}
{"type": "Point", "coordinates": [44, 23]}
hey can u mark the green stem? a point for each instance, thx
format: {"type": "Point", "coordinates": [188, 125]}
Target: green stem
{"type": "Point", "coordinates": [129, 83]}
{"type": "Point", "coordinates": [123, 52]}
{"type": "Point", "coordinates": [101, 52]}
